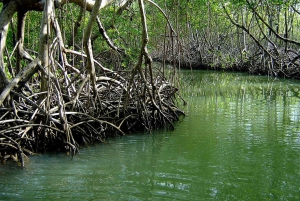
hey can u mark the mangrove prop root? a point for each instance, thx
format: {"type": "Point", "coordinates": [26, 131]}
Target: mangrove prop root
{"type": "Point", "coordinates": [72, 116]}
{"type": "Point", "coordinates": [65, 98]}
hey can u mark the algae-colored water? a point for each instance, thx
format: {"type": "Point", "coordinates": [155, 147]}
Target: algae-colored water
{"type": "Point", "coordinates": [240, 140]}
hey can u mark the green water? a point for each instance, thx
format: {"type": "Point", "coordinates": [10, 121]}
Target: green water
{"type": "Point", "coordinates": [240, 140]}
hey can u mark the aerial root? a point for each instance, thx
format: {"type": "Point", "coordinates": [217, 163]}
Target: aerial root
{"type": "Point", "coordinates": [68, 118]}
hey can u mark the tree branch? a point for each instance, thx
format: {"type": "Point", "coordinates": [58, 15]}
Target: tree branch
{"type": "Point", "coordinates": [5, 18]}
{"type": "Point", "coordinates": [86, 4]}
{"type": "Point", "coordinates": [270, 28]}
{"type": "Point", "coordinates": [88, 46]}
{"type": "Point", "coordinates": [31, 68]}
{"type": "Point", "coordinates": [248, 32]}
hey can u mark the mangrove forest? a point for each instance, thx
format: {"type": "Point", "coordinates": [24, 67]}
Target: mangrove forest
{"type": "Point", "coordinates": [74, 72]}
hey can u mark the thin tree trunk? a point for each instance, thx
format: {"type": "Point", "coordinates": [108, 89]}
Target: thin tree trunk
{"type": "Point", "coordinates": [286, 29]}
{"type": "Point", "coordinates": [76, 28]}
{"type": "Point", "coordinates": [21, 54]}
{"type": "Point", "coordinates": [5, 18]}
{"type": "Point", "coordinates": [44, 43]}
{"type": "Point", "coordinates": [88, 44]}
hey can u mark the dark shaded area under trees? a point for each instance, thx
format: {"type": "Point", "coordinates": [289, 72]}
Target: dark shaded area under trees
{"type": "Point", "coordinates": [255, 36]}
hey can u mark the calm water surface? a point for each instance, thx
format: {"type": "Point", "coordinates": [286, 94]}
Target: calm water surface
{"type": "Point", "coordinates": [240, 140]}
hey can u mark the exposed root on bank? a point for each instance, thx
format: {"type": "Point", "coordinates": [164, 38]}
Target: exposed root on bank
{"type": "Point", "coordinates": [68, 118]}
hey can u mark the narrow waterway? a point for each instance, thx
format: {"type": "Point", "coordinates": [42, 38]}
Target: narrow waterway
{"type": "Point", "coordinates": [240, 140]}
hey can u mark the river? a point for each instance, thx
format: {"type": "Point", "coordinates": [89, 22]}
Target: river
{"type": "Point", "coordinates": [240, 140]}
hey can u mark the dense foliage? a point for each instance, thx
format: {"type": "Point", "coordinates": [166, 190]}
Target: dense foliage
{"type": "Point", "coordinates": [208, 33]}
{"type": "Point", "coordinates": [258, 36]}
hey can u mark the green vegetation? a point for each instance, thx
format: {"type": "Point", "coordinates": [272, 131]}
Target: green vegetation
{"type": "Point", "coordinates": [249, 35]}
{"type": "Point", "coordinates": [73, 72]}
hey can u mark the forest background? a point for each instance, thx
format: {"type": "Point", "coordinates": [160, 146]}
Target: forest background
{"type": "Point", "coordinates": [73, 72]}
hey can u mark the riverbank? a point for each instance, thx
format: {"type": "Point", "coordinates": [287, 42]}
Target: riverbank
{"type": "Point", "coordinates": [123, 104]}
{"type": "Point", "coordinates": [258, 57]}
{"type": "Point", "coordinates": [285, 66]}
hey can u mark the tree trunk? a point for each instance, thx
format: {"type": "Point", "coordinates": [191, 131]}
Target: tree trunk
{"type": "Point", "coordinates": [21, 54]}
{"type": "Point", "coordinates": [88, 46]}
{"type": "Point", "coordinates": [44, 43]}
{"type": "Point", "coordinates": [6, 15]}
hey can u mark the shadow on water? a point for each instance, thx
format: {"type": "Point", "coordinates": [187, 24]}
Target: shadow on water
{"type": "Point", "coordinates": [240, 140]}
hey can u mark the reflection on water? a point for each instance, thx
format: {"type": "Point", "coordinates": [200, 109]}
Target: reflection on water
{"type": "Point", "coordinates": [240, 140]}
